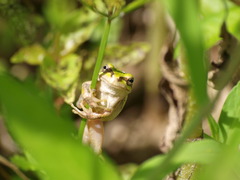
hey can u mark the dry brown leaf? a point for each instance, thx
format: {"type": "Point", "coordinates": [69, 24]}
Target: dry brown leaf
{"type": "Point", "coordinates": [220, 56]}
{"type": "Point", "coordinates": [175, 89]}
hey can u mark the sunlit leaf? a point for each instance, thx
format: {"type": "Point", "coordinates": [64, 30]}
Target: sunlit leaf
{"type": "Point", "coordinates": [214, 127]}
{"type": "Point", "coordinates": [33, 55]}
{"type": "Point", "coordinates": [37, 129]}
{"type": "Point", "coordinates": [77, 28]}
{"type": "Point", "coordinates": [62, 75]}
{"type": "Point", "coordinates": [227, 164]}
{"type": "Point", "coordinates": [202, 152]}
{"type": "Point", "coordinates": [213, 14]}
{"type": "Point", "coordinates": [233, 22]}
{"type": "Point", "coordinates": [229, 121]}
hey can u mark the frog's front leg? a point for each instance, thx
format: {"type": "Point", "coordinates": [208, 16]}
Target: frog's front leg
{"type": "Point", "coordinates": [89, 114]}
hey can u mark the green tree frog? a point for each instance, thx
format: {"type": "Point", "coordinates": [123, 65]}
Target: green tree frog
{"type": "Point", "coordinates": [103, 103]}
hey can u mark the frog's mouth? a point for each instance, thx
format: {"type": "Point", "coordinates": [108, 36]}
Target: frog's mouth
{"type": "Point", "coordinates": [111, 82]}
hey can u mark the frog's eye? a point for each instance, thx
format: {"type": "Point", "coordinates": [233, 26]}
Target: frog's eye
{"type": "Point", "coordinates": [107, 69]}
{"type": "Point", "coordinates": [130, 81]}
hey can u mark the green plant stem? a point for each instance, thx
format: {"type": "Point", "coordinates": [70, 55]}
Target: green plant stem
{"type": "Point", "coordinates": [101, 51]}
{"type": "Point", "coordinates": [81, 128]}
{"type": "Point", "coordinates": [134, 5]}
{"type": "Point", "coordinates": [97, 68]}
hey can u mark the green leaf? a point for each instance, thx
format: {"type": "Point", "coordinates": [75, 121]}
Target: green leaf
{"type": "Point", "coordinates": [227, 164]}
{"type": "Point", "coordinates": [213, 14]}
{"type": "Point", "coordinates": [38, 130]}
{"type": "Point", "coordinates": [33, 55]}
{"type": "Point", "coordinates": [56, 12]}
{"type": "Point", "coordinates": [133, 5]}
{"type": "Point", "coordinates": [127, 170]}
{"type": "Point", "coordinates": [145, 169]}
{"type": "Point", "coordinates": [202, 152]}
{"type": "Point", "coordinates": [229, 121]}
{"type": "Point", "coordinates": [186, 17]}
{"type": "Point", "coordinates": [122, 55]}
{"type": "Point", "coordinates": [78, 28]}
{"type": "Point", "coordinates": [233, 22]}
{"type": "Point", "coordinates": [23, 163]}
{"type": "Point", "coordinates": [63, 75]}
{"type": "Point", "coordinates": [214, 127]}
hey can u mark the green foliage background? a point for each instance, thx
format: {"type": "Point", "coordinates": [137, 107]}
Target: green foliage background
{"type": "Point", "coordinates": [48, 142]}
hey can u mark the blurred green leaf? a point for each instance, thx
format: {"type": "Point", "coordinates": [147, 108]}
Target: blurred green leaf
{"type": "Point", "coordinates": [109, 8]}
{"type": "Point", "coordinates": [186, 17]}
{"type": "Point", "coordinates": [119, 55]}
{"type": "Point", "coordinates": [233, 21]}
{"type": "Point", "coordinates": [227, 163]}
{"type": "Point", "coordinates": [97, 6]}
{"type": "Point", "coordinates": [202, 152]}
{"type": "Point", "coordinates": [38, 130]}
{"type": "Point", "coordinates": [214, 127]}
{"type": "Point", "coordinates": [23, 163]}
{"type": "Point", "coordinates": [63, 75]}
{"type": "Point", "coordinates": [133, 5]}
{"type": "Point", "coordinates": [127, 170]}
{"type": "Point", "coordinates": [114, 6]}
{"type": "Point", "coordinates": [3, 67]}
{"type": "Point", "coordinates": [78, 27]}
{"type": "Point", "coordinates": [213, 14]}
{"type": "Point", "coordinates": [33, 55]}
{"type": "Point", "coordinates": [122, 55]}
{"type": "Point", "coordinates": [145, 169]}
{"type": "Point", "coordinates": [56, 12]}
{"type": "Point", "coordinates": [229, 121]}
{"type": "Point", "coordinates": [114, 36]}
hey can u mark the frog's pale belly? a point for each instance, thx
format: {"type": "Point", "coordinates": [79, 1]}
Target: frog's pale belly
{"type": "Point", "coordinates": [110, 95]}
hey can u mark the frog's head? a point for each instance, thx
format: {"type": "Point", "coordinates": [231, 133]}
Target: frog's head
{"type": "Point", "coordinates": [115, 78]}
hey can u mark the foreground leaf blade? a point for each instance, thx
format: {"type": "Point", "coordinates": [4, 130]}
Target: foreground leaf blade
{"type": "Point", "coordinates": [47, 137]}
{"type": "Point", "coordinates": [229, 121]}
{"type": "Point", "coordinates": [202, 152]}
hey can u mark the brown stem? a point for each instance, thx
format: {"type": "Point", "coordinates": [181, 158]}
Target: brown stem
{"type": "Point", "coordinates": [7, 163]}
